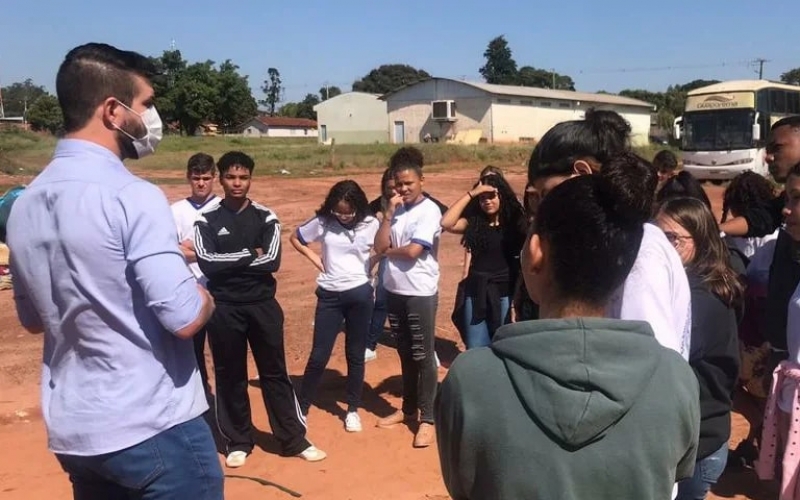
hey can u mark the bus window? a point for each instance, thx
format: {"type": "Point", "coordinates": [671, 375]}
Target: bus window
{"type": "Point", "coordinates": [778, 101]}
{"type": "Point", "coordinates": [793, 103]}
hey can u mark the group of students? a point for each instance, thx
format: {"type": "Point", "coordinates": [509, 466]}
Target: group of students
{"type": "Point", "coordinates": [621, 260]}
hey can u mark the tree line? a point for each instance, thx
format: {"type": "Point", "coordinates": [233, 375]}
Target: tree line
{"type": "Point", "coordinates": [189, 95]}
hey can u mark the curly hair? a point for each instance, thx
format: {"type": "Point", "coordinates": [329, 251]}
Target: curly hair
{"type": "Point", "coordinates": [348, 191]}
{"type": "Point", "coordinates": [711, 262]}
{"type": "Point", "coordinates": [746, 189]}
{"type": "Point", "coordinates": [513, 222]}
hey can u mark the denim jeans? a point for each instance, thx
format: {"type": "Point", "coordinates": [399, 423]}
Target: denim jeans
{"type": "Point", "coordinates": [706, 473]}
{"type": "Point", "coordinates": [379, 311]}
{"type": "Point", "coordinates": [355, 307]}
{"type": "Point", "coordinates": [179, 463]}
{"type": "Point", "coordinates": [480, 334]}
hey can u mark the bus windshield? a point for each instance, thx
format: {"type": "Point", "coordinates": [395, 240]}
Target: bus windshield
{"type": "Point", "coordinates": [718, 130]}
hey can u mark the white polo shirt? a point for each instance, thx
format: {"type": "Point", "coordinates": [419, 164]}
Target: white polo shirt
{"type": "Point", "coordinates": [185, 214]}
{"type": "Point", "coordinates": [345, 252]}
{"type": "Point", "coordinates": [420, 223]}
{"type": "Point", "coordinates": [657, 291]}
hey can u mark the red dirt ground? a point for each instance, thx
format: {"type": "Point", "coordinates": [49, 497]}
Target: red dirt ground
{"type": "Point", "coordinates": [375, 464]}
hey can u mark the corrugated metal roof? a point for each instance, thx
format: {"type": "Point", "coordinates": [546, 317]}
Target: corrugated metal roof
{"type": "Point", "coordinates": [520, 91]}
{"type": "Point", "coordinates": [286, 121]}
{"type": "Point", "coordinates": [741, 86]}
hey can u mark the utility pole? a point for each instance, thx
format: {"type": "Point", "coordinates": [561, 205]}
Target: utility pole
{"type": "Point", "coordinates": [553, 71]}
{"type": "Point", "coordinates": [760, 61]}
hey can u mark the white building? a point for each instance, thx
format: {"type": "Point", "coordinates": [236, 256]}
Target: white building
{"type": "Point", "coordinates": [440, 108]}
{"type": "Point", "coordinates": [353, 118]}
{"type": "Point", "coordinates": [280, 126]}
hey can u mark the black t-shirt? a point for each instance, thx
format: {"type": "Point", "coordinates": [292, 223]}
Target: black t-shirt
{"type": "Point", "coordinates": [493, 257]}
{"type": "Point", "coordinates": [764, 218]}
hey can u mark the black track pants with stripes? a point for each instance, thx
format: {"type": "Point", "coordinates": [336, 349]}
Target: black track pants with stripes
{"type": "Point", "coordinates": [230, 329]}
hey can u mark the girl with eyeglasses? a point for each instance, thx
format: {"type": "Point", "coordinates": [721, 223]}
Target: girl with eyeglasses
{"type": "Point", "coordinates": [346, 230]}
{"type": "Point", "coordinates": [716, 292]}
{"type": "Point", "coordinates": [493, 226]}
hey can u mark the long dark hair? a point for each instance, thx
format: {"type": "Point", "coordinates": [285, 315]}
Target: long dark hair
{"type": "Point", "coordinates": [746, 190]}
{"type": "Point", "coordinates": [711, 262]}
{"type": "Point", "coordinates": [683, 185]}
{"type": "Point", "coordinates": [513, 222]}
{"type": "Point", "coordinates": [349, 191]}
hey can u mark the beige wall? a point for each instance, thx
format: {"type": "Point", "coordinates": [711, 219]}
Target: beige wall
{"type": "Point", "coordinates": [354, 118]}
{"type": "Point", "coordinates": [253, 131]}
{"type": "Point", "coordinates": [412, 106]}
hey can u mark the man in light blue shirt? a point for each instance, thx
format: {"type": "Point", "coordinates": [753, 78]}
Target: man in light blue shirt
{"type": "Point", "coordinates": [96, 268]}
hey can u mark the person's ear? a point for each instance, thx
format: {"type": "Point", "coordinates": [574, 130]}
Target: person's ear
{"type": "Point", "coordinates": [582, 167]}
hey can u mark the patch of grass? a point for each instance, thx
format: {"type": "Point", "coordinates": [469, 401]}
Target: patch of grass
{"type": "Point", "coordinates": [27, 152]}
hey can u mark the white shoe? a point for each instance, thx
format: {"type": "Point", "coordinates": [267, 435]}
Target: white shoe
{"type": "Point", "coordinates": [236, 459]}
{"type": "Point", "coordinates": [370, 355]}
{"type": "Point", "coordinates": [436, 357]}
{"type": "Point", "coordinates": [352, 422]}
{"type": "Point", "coordinates": [312, 454]}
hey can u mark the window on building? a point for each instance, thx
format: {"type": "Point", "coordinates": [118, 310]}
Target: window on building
{"type": "Point", "coordinates": [793, 102]}
{"type": "Point", "coordinates": [564, 104]}
{"type": "Point", "coordinates": [546, 104]}
{"type": "Point", "coordinates": [526, 103]}
{"type": "Point", "coordinates": [504, 101]}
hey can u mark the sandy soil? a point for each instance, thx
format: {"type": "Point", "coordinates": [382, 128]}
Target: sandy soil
{"type": "Point", "coordinates": [375, 464]}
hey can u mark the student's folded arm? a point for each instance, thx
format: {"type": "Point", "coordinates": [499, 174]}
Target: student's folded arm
{"type": "Point", "coordinates": [211, 260]}
{"type": "Point", "coordinates": [148, 239]}
{"type": "Point", "coordinates": [270, 260]}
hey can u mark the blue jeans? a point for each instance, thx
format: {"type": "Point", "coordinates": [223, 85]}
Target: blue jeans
{"type": "Point", "coordinates": [379, 311]}
{"type": "Point", "coordinates": [706, 472]}
{"type": "Point", "coordinates": [355, 307]}
{"type": "Point", "coordinates": [480, 334]}
{"type": "Point", "coordinates": [180, 462]}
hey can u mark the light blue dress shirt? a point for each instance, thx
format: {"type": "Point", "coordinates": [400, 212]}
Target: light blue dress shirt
{"type": "Point", "coordinates": [95, 263]}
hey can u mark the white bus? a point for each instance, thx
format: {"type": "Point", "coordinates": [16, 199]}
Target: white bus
{"type": "Point", "coordinates": [725, 126]}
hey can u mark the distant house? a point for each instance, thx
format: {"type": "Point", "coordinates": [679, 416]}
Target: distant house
{"type": "Point", "coordinates": [280, 126]}
{"type": "Point", "coordinates": [208, 129]}
{"type": "Point", "coordinates": [353, 118]}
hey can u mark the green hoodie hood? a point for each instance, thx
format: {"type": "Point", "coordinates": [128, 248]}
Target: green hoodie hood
{"type": "Point", "coordinates": [576, 377]}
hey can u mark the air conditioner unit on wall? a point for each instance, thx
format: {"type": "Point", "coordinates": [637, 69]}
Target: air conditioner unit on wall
{"type": "Point", "coordinates": [444, 111]}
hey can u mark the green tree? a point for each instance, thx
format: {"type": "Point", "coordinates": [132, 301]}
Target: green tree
{"type": "Point", "coordinates": [389, 77]}
{"type": "Point", "coordinates": [305, 108]}
{"type": "Point", "coordinates": [529, 76]}
{"type": "Point", "coordinates": [235, 103]}
{"type": "Point", "coordinates": [19, 95]}
{"type": "Point", "coordinates": [500, 67]}
{"type": "Point", "coordinates": [792, 77]}
{"type": "Point", "coordinates": [289, 109]}
{"type": "Point", "coordinates": [170, 66]}
{"type": "Point", "coordinates": [44, 114]}
{"type": "Point", "coordinates": [273, 90]}
{"type": "Point", "coordinates": [196, 95]}
{"type": "Point", "coordinates": [327, 92]}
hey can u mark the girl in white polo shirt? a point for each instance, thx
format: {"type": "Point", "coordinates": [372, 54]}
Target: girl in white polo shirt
{"type": "Point", "coordinates": [409, 240]}
{"type": "Point", "coordinates": [346, 230]}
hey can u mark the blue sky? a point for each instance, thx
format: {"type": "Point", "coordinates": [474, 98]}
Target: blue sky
{"type": "Point", "coordinates": [312, 41]}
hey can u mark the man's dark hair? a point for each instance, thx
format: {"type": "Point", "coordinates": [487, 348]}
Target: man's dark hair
{"type": "Point", "coordinates": [665, 161]}
{"type": "Point", "coordinates": [599, 136]}
{"type": "Point", "coordinates": [790, 121]}
{"type": "Point", "coordinates": [234, 158]}
{"type": "Point", "coordinates": [593, 238]}
{"type": "Point", "coordinates": [94, 72]}
{"type": "Point", "coordinates": [348, 191]}
{"type": "Point", "coordinates": [635, 180]}
{"type": "Point", "coordinates": [407, 158]}
{"type": "Point", "coordinates": [200, 163]}
{"type": "Point", "coordinates": [683, 185]}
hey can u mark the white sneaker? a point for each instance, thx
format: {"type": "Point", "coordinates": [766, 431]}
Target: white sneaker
{"type": "Point", "coordinates": [312, 454]}
{"type": "Point", "coordinates": [370, 355]}
{"type": "Point", "coordinates": [236, 459]}
{"type": "Point", "coordinates": [436, 357]}
{"type": "Point", "coordinates": [352, 422]}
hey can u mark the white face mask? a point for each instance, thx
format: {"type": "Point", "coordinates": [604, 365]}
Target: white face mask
{"type": "Point", "coordinates": [152, 123]}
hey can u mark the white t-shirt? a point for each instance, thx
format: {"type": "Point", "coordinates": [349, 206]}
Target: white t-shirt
{"type": "Point", "coordinates": [749, 246]}
{"type": "Point", "coordinates": [185, 214]}
{"type": "Point", "coordinates": [793, 345]}
{"type": "Point", "coordinates": [345, 252]}
{"type": "Point", "coordinates": [420, 224]}
{"type": "Point", "coordinates": [657, 291]}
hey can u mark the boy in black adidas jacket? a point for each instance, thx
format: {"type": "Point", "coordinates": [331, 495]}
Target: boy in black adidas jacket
{"type": "Point", "coordinates": [238, 246]}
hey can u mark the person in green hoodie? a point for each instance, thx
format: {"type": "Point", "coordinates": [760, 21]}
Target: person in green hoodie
{"type": "Point", "coordinates": [571, 406]}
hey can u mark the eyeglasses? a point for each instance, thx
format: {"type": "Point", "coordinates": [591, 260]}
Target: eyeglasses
{"type": "Point", "coordinates": [675, 238]}
{"type": "Point", "coordinates": [487, 196]}
{"type": "Point", "coordinates": [351, 215]}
